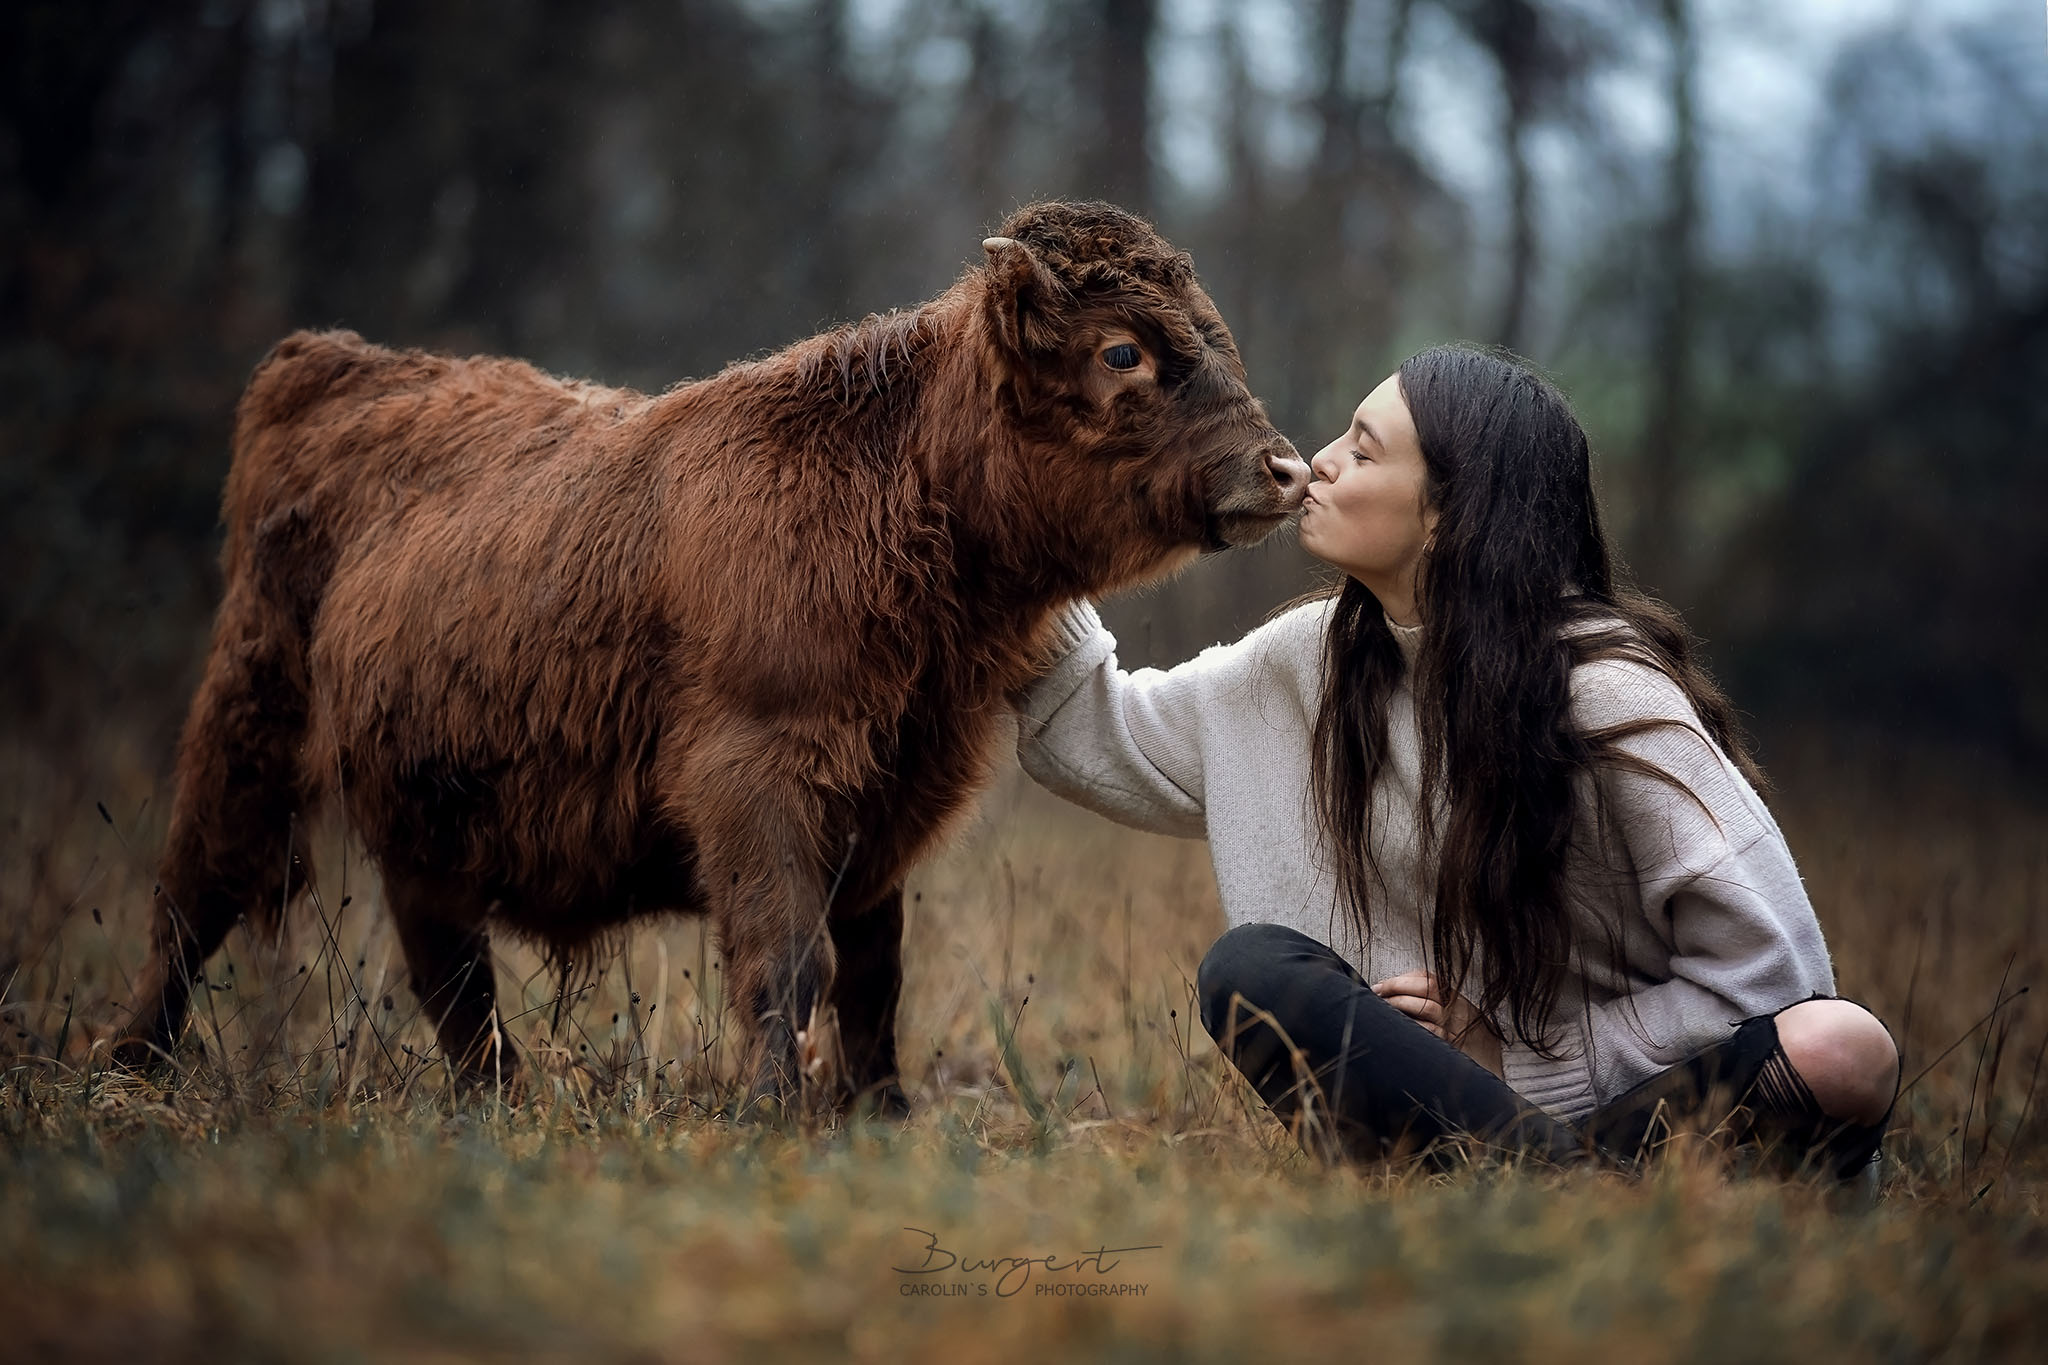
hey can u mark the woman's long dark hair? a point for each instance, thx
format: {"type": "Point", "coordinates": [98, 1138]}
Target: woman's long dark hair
{"type": "Point", "coordinates": [1517, 587]}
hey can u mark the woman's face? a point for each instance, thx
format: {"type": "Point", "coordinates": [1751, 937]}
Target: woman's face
{"type": "Point", "coordinates": [1366, 510]}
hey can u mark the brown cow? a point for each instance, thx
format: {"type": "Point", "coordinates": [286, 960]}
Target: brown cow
{"type": "Point", "coordinates": [568, 655]}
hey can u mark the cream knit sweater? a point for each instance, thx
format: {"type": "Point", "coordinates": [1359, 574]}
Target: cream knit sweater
{"type": "Point", "coordinates": [1713, 922]}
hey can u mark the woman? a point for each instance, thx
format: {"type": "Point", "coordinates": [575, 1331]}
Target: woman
{"type": "Point", "coordinates": [1487, 832]}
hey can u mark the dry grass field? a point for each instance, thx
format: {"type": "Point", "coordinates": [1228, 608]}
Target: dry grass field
{"type": "Point", "coordinates": [1085, 1180]}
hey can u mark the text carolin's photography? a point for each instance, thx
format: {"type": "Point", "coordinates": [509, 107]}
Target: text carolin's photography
{"type": "Point", "coordinates": [940, 1271]}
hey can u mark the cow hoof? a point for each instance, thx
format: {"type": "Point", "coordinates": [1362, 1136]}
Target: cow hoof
{"type": "Point", "coordinates": [885, 1101]}
{"type": "Point", "coordinates": [478, 1086]}
{"type": "Point", "coordinates": [137, 1054]}
{"type": "Point", "coordinates": [764, 1109]}
{"type": "Point", "coordinates": [769, 1101]}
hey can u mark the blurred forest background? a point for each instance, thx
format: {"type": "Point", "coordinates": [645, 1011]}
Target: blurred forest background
{"type": "Point", "coordinates": [1790, 257]}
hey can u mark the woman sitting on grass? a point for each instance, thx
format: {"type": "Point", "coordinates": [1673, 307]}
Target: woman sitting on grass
{"type": "Point", "coordinates": [1488, 834]}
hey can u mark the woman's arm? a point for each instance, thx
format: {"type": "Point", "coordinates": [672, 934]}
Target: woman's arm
{"type": "Point", "coordinates": [1714, 879]}
{"type": "Point", "coordinates": [1129, 745]}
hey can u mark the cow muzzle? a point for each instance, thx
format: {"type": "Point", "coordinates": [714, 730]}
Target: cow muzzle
{"type": "Point", "coordinates": [1267, 490]}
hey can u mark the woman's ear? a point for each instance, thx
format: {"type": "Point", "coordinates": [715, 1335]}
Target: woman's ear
{"type": "Point", "coordinates": [1022, 299]}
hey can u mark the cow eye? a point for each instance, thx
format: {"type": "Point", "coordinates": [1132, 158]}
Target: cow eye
{"type": "Point", "coordinates": [1123, 356]}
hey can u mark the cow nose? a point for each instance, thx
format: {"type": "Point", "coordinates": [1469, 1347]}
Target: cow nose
{"type": "Point", "coordinates": [1288, 471]}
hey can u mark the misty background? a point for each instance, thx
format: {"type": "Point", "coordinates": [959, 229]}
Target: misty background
{"type": "Point", "coordinates": [1788, 257]}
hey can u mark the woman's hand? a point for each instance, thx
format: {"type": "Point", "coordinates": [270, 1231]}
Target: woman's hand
{"type": "Point", "coordinates": [1455, 1020]}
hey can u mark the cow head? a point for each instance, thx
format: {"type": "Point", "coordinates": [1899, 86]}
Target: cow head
{"type": "Point", "coordinates": [1126, 396]}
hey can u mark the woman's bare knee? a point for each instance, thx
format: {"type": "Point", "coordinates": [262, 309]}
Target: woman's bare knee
{"type": "Point", "coordinates": [1845, 1056]}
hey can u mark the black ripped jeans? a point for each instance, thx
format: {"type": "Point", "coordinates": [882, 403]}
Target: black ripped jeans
{"type": "Point", "coordinates": [1378, 1083]}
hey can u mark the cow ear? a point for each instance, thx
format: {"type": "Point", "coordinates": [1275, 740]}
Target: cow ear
{"type": "Point", "coordinates": [1022, 298]}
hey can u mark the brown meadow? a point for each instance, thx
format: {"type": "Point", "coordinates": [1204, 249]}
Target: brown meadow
{"type": "Point", "coordinates": [309, 1184]}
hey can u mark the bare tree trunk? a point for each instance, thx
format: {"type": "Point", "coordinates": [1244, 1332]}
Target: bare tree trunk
{"type": "Point", "coordinates": [1511, 31]}
{"type": "Point", "coordinates": [1336, 107]}
{"type": "Point", "coordinates": [1399, 19]}
{"type": "Point", "coordinates": [1510, 330]}
{"type": "Point", "coordinates": [1396, 168]}
{"type": "Point", "coordinates": [829, 283]}
{"type": "Point", "coordinates": [987, 116]}
{"type": "Point", "coordinates": [1123, 172]}
{"type": "Point", "coordinates": [1660, 555]}
{"type": "Point", "coordinates": [1245, 225]}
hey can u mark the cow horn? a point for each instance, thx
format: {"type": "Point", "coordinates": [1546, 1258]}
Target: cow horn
{"type": "Point", "coordinates": [994, 244]}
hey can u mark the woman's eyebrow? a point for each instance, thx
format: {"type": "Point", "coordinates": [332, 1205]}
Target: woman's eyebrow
{"type": "Point", "coordinates": [1366, 427]}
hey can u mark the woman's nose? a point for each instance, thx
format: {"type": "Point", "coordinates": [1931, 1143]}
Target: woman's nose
{"type": "Point", "coordinates": [1324, 466]}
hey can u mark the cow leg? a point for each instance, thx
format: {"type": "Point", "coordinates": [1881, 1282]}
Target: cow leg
{"type": "Point", "coordinates": [195, 907]}
{"type": "Point", "coordinates": [236, 847]}
{"type": "Point", "coordinates": [759, 866]}
{"type": "Point", "coordinates": [867, 983]}
{"type": "Point", "coordinates": [778, 966]}
{"type": "Point", "coordinates": [448, 955]}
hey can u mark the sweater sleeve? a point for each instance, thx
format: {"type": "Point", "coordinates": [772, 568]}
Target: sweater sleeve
{"type": "Point", "coordinates": [1127, 745]}
{"type": "Point", "coordinates": [1713, 880]}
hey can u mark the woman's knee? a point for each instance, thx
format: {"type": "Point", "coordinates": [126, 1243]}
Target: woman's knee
{"type": "Point", "coordinates": [1844, 1054]}
{"type": "Point", "coordinates": [1242, 963]}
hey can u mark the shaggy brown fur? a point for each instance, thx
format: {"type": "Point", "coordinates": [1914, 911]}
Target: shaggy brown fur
{"type": "Point", "coordinates": [568, 655]}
